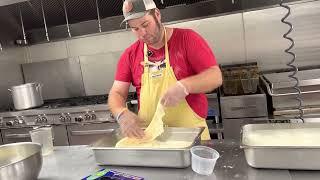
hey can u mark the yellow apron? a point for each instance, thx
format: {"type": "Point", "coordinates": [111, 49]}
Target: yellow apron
{"type": "Point", "coordinates": [154, 84]}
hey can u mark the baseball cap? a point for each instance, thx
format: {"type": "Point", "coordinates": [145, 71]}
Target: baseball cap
{"type": "Point", "coordinates": [133, 9]}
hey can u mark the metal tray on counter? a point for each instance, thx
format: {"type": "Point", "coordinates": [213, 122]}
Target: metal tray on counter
{"type": "Point", "coordinates": [281, 156]}
{"type": "Point", "coordinates": [106, 153]}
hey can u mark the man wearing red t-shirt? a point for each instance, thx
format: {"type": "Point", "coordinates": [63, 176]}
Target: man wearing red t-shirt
{"type": "Point", "coordinates": [169, 66]}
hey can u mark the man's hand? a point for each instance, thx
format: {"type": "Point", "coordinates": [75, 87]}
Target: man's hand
{"type": "Point", "coordinates": [130, 125]}
{"type": "Point", "coordinates": [174, 95]}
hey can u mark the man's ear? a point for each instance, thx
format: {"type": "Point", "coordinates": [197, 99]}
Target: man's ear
{"type": "Point", "coordinates": [158, 14]}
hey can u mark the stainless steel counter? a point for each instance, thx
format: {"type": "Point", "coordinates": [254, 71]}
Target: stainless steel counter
{"type": "Point", "coordinates": [76, 162]}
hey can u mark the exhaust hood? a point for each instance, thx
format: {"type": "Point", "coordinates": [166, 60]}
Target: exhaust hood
{"type": "Point", "coordinates": [45, 20]}
{"type": "Point", "coordinates": [8, 2]}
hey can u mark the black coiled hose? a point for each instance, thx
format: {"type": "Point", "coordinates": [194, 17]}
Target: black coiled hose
{"type": "Point", "coordinates": [291, 63]}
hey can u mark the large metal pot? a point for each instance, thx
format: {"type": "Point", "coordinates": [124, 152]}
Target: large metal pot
{"type": "Point", "coordinates": [20, 161]}
{"type": "Point", "coordinates": [27, 96]}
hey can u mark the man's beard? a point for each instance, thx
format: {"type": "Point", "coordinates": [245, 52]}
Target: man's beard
{"type": "Point", "coordinates": [158, 35]}
{"type": "Point", "coordinates": [159, 32]}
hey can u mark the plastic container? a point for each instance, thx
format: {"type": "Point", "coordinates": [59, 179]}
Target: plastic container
{"type": "Point", "coordinates": [44, 137]}
{"type": "Point", "coordinates": [203, 159]}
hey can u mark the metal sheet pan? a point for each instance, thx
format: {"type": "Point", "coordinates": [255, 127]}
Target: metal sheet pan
{"type": "Point", "coordinates": [106, 153]}
{"type": "Point", "coordinates": [281, 157]}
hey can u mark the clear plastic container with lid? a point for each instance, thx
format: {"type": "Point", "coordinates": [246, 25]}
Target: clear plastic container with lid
{"type": "Point", "coordinates": [203, 159]}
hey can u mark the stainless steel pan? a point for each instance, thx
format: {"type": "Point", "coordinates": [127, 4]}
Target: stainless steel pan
{"type": "Point", "coordinates": [281, 156]}
{"type": "Point", "coordinates": [106, 153]}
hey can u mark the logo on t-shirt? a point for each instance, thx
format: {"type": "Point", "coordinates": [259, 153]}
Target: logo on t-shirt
{"type": "Point", "coordinates": [156, 66]}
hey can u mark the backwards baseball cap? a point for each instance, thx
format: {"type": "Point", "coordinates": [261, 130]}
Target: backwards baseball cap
{"type": "Point", "coordinates": [133, 9]}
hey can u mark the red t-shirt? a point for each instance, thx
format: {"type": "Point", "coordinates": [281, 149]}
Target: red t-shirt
{"type": "Point", "coordinates": [189, 55]}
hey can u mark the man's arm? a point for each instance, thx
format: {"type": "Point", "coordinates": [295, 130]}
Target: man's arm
{"type": "Point", "coordinates": [118, 96]}
{"type": "Point", "coordinates": [128, 121]}
{"type": "Point", "coordinates": [207, 75]}
{"type": "Point", "coordinates": [204, 82]}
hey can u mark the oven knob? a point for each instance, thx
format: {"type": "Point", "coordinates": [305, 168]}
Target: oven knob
{"type": "Point", "coordinates": [9, 123]}
{"type": "Point", "coordinates": [21, 121]}
{"type": "Point", "coordinates": [68, 118]}
{"type": "Point", "coordinates": [111, 115]}
{"type": "Point", "coordinates": [93, 116]}
{"type": "Point", "coordinates": [38, 120]}
{"type": "Point", "coordinates": [44, 119]}
{"type": "Point", "coordinates": [87, 117]}
{"type": "Point", "coordinates": [62, 118]}
{"type": "Point", "coordinates": [78, 119]}
{"type": "Point", "coordinates": [15, 121]}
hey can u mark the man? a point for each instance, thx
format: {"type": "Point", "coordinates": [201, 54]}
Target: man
{"type": "Point", "coordinates": [168, 65]}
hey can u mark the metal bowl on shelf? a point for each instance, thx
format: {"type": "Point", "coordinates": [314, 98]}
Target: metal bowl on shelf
{"type": "Point", "coordinates": [20, 161]}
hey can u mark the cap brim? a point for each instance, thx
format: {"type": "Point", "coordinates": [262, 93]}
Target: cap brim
{"type": "Point", "coordinates": [133, 16]}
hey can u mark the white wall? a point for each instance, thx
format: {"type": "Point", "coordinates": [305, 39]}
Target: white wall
{"type": "Point", "coordinates": [264, 32]}
{"type": "Point", "coordinates": [224, 34]}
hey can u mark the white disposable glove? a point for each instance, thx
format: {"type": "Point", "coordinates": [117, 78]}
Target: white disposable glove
{"type": "Point", "coordinates": [130, 125]}
{"type": "Point", "coordinates": [174, 95]}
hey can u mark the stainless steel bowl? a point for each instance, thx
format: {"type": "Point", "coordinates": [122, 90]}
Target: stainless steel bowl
{"type": "Point", "coordinates": [20, 161]}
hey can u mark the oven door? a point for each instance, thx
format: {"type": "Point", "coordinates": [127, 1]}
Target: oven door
{"type": "Point", "coordinates": [14, 135]}
{"type": "Point", "coordinates": [89, 133]}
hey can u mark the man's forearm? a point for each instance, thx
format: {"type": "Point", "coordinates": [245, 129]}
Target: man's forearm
{"type": "Point", "coordinates": [116, 102]}
{"type": "Point", "coordinates": [206, 81]}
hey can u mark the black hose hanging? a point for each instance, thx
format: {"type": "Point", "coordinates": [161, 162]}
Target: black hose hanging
{"type": "Point", "coordinates": [291, 63]}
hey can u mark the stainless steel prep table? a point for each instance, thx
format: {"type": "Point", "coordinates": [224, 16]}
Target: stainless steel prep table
{"type": "Point", "coordinates": [75, 162]}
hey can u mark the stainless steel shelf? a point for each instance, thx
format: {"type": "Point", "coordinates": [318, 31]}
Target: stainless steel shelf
{"type": "Point", "coordinates": [281, 80]}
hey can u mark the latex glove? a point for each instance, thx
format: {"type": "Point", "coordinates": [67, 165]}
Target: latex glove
{"type": "Point", "coordinates": [130, 125]}
{"type": "Point", "coordinates": [174, 95]}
